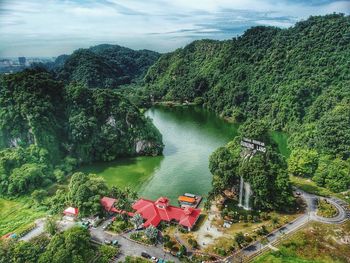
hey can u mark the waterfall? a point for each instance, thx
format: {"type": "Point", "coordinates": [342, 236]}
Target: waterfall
{"type": "Point", "coordinates": [247, 194]}
{"type": "Point", "coordinates": [241, 192]}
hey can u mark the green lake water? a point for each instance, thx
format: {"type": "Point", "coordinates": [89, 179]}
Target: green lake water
{"type": "Point", "coordinates": [190, 135]}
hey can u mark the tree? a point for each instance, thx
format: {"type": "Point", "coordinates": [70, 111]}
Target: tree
{"type": "Point", "coordinates": [39, 195]}
{"type": "Point", "coordinates": [303, 162]}
{"type": "Point", "coordinates": [51, 226]}
{"type": "Point", "coordinates": [274, 221]}
{"type": "Point", "coordinates": [137, 220]}
{"type": "Point", "coordinates": [183, 250]}
{"type": "Point", "coordinates": [152, 233]}
{"type": "Point", "coordinates": [107, 253]}
{"type": "Point", "coordinates": [85, 192]}
{"type": "Point", "coordinates": [73, 245]}
{"type": "Point", "coordinates": [239, 239]}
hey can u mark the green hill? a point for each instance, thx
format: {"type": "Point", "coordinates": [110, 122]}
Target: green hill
{"type": "Point", "coordinates": [44, 124]}
{"type": "Point", "coordinates": [104, 66]}
{"type": "Point", "coordinates": [296, 80]}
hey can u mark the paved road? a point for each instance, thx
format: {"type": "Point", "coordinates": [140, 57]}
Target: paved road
{"type": "Point", "coordinates": [310, 214]}
{"type": "Point", "coordinates": [129, 247]}
{"type": "Point", "coordinates": [38, 230]}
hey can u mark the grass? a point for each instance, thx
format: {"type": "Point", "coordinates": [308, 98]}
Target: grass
{"type": "Point", "coordinates": [319, 243]}
{"type": "Point", "coordinates": [309, 186]}
{"type": "Point", "coordinates": [250, 229]}
{"type": "Point", "coordinates": [16, 215]}
{"type": "Point", "coordinates": [119, 226]}
{"type": "Point", "coordinates": [141, 237]}
{"type": "Point", "coordinates": [326, 209]}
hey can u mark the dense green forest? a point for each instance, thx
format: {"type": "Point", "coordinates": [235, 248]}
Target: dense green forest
{"type": "Point", "coordinates": [47, 129]}
{"type": "Point", "coordinates": [73, 245]}
{"type": "Point", "coordinates": [103, 66]}
{"type": "Point", "coordinates": [265, 172]}
{"type": "Point", "coordinates": [296, 80]}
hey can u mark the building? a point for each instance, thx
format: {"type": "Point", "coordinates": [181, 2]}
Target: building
{"type": "Point", "coordinates": [71, 213]}
{"type": "Point", "coordinates": [22, 61]}
{"type": "Point", "coordinates": [155, 212]}
{"type": "Point", "coordinates": [108, 204]}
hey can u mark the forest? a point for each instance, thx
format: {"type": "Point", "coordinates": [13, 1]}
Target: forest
{"type": "Point", "coordinates": [48, 128]}
{"type": "Point", "coordinates": [103, 66]}
{"type": "Point", "coordinates": [296, 80]}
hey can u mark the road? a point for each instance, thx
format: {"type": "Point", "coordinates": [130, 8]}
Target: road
{"type": "Point", "coordinates": [129, 247]}
{"type": "Point", "coordinates": [37, 231]}
{"type": "Point", "coordinates": [309, 215]}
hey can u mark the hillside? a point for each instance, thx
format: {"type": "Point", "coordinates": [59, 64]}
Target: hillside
{"type": "Point", "coordinates": [104, 66]}
{"type": "Point", "coordinates": [296, 80]}
{"type": "Point", "coordinates": [46, 128]}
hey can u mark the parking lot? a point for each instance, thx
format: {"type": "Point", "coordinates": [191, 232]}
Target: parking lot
{"type": "Point", "coordinates": [127, 246]}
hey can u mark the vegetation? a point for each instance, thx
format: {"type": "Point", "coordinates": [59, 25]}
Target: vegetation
{"type": "Point", "coordinates": [103, 66]}
{"type": "Point", "coordinates": [71, 246]}
{"type": "Point", "coordinates": [16, 252]}
{"type": "Point", "coordinates": [141, 236]}
{"type": "Point", "coordinates": [266, 172]}
{"type": "Point", "coordinates": [318, 242]}
{"type": "Point", "coordinates": [17, 215]}
{"type": "Point", "coordinates": [120, 225]}
{"type": "Point", "coordinates": [107, 253]}
{"type": "Point", "coordinates": [42, 123]}
{"type": "Point", "coordinates": [326, 209]}
{"type": "Point", "coordinates": [130, 259]}
{"type": "Point", "coordinates": [294, 79]}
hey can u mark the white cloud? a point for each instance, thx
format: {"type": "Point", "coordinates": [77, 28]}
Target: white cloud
{"type": "Point", "coordinates": [35, 27]}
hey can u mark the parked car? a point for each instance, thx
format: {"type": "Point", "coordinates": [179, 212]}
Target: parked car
{"type": "Point", "coordinates": [107, 242]}
{"type": "Point", "coordinates": [115, 242]}
{"type": "Point", "coordinates": [145, 255]}
{"type": "Point", "coordinates": [154, 259]}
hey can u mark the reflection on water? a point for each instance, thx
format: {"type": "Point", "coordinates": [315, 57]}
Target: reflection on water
{"type": "Point", "coordinates": [190, 135]}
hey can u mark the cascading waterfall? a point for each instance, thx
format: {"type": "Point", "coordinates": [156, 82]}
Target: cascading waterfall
{"type": "Point", "coordinates": [247, 194]}
{"type": "Point", "coordinates": [245, 189]}
{"type": "Point", "coordinates": [241, 192]}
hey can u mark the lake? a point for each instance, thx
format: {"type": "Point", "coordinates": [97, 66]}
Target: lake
{"type": "Point", "coordinates": [190, 135]}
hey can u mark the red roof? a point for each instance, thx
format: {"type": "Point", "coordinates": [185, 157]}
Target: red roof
{"type": "Point", "coordinates": [108, 203]}
{"type": "Point", "coordinates": [71, 211]}
{"type": "Point", "coordinates": [160, 210]}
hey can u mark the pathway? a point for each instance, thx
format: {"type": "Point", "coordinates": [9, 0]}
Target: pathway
{"type": "Point", "coordinates": [129, 247]}
{"type": "Point", "coordinates": [309, 215]}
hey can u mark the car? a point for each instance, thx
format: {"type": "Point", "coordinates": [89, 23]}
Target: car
{"type": "Point", "coordinates": [145, 255]}
{"type": "Point", "coordinates": [107, 242]}
{"type": "Point", "coordinates": [154, 259]}
{"type": "Point", "coordinates": [115, 242]}
{"type": "Point", "coordinates": [298, 193]}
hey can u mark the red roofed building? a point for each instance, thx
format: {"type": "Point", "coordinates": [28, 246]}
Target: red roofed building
{"type": "Point", "coordinates": [71, 212]}
{"type": "Point", "coordinates": [156, 211]}
{"type": "Point", "coordinates": [108, 205]}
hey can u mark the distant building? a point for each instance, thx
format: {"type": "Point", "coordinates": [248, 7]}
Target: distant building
{"type": "Point", "coordinates": [22, 61]}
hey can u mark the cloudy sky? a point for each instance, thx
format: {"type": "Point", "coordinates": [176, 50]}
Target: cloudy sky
{"type": "Point", "coordinates": [53, 27]}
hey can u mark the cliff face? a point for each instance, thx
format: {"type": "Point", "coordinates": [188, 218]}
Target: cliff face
{"type": "Point", "coordinates": [91, 125]}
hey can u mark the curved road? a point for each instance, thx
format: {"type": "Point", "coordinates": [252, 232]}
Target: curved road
{"type": "Point", "coordinates": [310, 214]}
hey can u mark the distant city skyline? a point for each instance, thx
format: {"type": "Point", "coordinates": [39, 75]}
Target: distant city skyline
{"type": "Point", "coordinates": [50, 28]}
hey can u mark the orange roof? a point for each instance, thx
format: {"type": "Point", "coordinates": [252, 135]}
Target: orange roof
{"type": "Point", "coordinates": [187, 199]}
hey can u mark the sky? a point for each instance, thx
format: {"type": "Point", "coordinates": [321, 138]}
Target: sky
{"type": "Point", "coordinates": [54, 27]}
